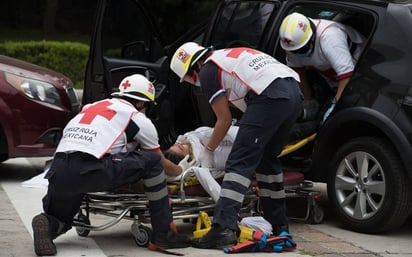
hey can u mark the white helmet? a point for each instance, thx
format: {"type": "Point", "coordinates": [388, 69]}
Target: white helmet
{"type": "Point", "coordinates": [185, 57]}
{"type": "Point", "coordinates": [295, 31]}
{"type": "Point", "coordinates": [136, 87]}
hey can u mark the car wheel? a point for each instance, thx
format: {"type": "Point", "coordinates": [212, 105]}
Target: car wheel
{"type": "Point", "coordinates": [368, 186]}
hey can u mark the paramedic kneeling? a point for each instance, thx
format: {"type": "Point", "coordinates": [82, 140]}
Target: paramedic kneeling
{"type": "Point", "coordinates": [268, 93]}
{"type": "Point", "coordinates": [108, 144]}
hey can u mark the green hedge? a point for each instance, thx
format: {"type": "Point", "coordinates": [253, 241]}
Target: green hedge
{"type": "Point", "coordinates": [68, 58]}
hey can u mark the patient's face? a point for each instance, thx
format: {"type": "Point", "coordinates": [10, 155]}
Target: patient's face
{"type": "Point", "coordinates": [181, 149]}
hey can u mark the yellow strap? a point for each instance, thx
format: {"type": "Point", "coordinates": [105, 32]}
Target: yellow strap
{"type": "Point", "coordinates": [291, 147]}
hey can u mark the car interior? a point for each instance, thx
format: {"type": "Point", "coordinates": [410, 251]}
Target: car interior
{"type": "Point", "coordinates": [361, 21]}
{"type": "Point", "coordinates": [245, 23]}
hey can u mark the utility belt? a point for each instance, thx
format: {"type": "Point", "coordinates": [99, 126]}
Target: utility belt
{"type": "Point", "coordinates": [76, 155]}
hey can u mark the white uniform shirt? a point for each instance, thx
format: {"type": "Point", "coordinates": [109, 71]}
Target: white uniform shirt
{"type": "Point", "coordinates": [331, 56]}
{"type": "Point", "coordinates": [100, 128]}
{"type": "Point", "coordinates": [245, 69]}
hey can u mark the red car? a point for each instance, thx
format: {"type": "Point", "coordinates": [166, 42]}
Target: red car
{"type": "Point", "coordinates": [35, 105]}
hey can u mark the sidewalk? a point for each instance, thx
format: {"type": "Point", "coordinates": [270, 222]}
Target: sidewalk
{"type": "Point", "coordinates": [20, 204]}
{"type": "Point", "coordinates": [315, 243]}
{"type": "Point", "coordinates": [15, 240]}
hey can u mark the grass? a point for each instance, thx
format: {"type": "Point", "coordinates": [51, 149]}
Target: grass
{"type": "Point", "coordinates": [7, 34]}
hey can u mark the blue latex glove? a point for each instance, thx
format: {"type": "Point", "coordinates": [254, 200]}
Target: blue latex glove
{"type": "Point", "coordinates": [328, 111]}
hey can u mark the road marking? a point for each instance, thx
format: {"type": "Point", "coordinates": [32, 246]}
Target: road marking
{"type": "Point", "coordinates": [69, 244]}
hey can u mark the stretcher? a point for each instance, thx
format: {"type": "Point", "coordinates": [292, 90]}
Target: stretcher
{"type": "Point", "coordinates": [188, 199]}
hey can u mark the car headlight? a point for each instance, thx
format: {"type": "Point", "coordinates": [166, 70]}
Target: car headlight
{"type": "Point", "coordinates": [34, 89]}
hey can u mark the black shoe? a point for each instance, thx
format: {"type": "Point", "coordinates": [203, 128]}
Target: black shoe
{"type": "Point", "coordinates": [279, 229]}
{"type": "Point", "coordinates": [170, 240]}
{"type": "Point", "coordinates": [43, 236]}
{"type": "Point", "coordinates": [216, 238]}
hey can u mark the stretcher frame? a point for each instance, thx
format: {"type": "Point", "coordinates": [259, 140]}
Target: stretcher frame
{"type": "Point", "coordinates": [134, 206]}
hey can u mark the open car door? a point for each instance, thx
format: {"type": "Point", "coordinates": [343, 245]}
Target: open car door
{"type": "Point", "coordinates": [126, 41]}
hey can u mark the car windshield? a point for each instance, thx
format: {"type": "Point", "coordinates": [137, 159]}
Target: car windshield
{"type": "Point", "coordinates": [242, 23]}
{"type": "Point", "coordinates": [173, 20]}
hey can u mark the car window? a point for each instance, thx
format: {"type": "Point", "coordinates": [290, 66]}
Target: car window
{"type": "Point", "coordinates": [362, 22]}
{"type": "Point", "coordinates": [127, 33]}
{"type": "Point", "coordinates": [242, 23]}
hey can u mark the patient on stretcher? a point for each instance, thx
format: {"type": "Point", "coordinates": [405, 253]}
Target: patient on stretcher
{"type": "Point", "coordinates": [193, 142]}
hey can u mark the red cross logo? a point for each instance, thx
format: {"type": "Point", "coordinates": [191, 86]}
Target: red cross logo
{"type": "Point", "coordinates": [126, 84]}
{"type": "Point", "coordinates": [286, 41]}
{"type": "Point", "coordinates": [302, 26]}
{"type": "Point", "coordinates": [235, 52]}
{"type": "Point", "coordinates": [95, 110]}
{"type": "Point", "coordinates": [183, 56]}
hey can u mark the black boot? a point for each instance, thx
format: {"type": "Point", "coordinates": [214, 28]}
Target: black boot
{"type": "Point", "coordinates": [45, 230]}
{"type": "Point", "coordinates": [277, 229]}
{"type": "Point", "coordinates": [43, 236]}
{"type": "Point", "coordinates": [169, 240]}
{"type": "Point", "coordinates": [217, 238]}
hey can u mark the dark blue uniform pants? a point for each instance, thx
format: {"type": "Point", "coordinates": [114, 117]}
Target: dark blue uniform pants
{"type": "Point", "coordinates": [263, 132]}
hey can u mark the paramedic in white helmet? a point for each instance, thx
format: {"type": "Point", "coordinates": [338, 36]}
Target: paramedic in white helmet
{"type": "Point", "coordinates": [329, 47]}
{"type": "Point", "coordinates": [268, 93]}
{"type": "Point", "coordinates": [108, 144]}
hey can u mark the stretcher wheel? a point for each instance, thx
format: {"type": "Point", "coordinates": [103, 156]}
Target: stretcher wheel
{"type": "Point", "coordinates": [142, 235]}
{"type": "Point", "coordinates": [316, 215]}
{"type": "Point", "coordinates": [81, 231]}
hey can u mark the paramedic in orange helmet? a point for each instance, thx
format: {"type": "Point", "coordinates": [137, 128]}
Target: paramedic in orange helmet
{"type": "Point", "coordinates": [268, 94]}
{"type": "Point", "coordinates": [329, 47]}
{"type": "Point", "coordinates": [108, 144]}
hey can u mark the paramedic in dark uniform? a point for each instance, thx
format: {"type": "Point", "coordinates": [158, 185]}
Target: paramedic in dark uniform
{"type": "Point", "coordinates": [268, 93]}
{"type": "Point", "coordinates": [108, 144]}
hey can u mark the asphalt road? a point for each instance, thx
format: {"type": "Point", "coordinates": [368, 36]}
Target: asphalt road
{"type": "Point", "coordinates": [19, 204]}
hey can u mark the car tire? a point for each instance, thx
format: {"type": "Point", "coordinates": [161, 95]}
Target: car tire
{"type": "Point", "coordinates": [379, 202]}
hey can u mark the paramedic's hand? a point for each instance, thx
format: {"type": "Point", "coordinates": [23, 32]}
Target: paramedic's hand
{"type": "Point", "coordinates": [206, 159]}
{"type": "Point", "coordinates": [186, 164]}
{"type": "Point", "coordinates": [328, 111]}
